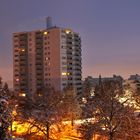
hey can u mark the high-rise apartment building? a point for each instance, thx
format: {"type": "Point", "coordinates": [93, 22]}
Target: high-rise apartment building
{"type": "Point", "coordinates": [46, 58]}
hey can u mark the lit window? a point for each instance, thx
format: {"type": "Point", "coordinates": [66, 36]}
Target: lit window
{"type": "Point", "coordinates": [45, 33]}
{"type": "Point", "coordinates": [17, 80]}
{"type": "Point", "coordinates": [47, 58]}
{"type": "Point", "coordinates": [39, 94]}
{"type": "Point", "coordinates": [67, 31]}
{"type": "Point", "coordinates": [64, 73]}
{"type": "Point", "coordinates": [23, 50]}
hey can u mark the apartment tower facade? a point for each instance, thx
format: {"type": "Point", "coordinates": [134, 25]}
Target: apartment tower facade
{"type": "Point", "coordinates": [46, 58]}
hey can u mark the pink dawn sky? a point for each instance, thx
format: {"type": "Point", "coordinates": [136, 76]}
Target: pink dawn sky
{"type": "Point", "coordinates": [110, 31]}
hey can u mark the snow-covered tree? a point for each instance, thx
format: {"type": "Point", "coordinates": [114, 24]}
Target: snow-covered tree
{"type": "Point", "coordinates": [5, 111]}
{"type": "Point", "coordinates": [112, 118]}
{"type": "Point", "coordinates": [41, 111]}
{"type": "Point", "coordinates": [70, 105]}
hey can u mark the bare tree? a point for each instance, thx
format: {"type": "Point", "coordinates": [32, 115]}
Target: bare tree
{"type": "Point", "coordinates": [70, 105]}
{"type": "Point", "coordinates": [112, 118]}
{"type": "Point", "coordinates": [41, 111]}
{"type": "Point", "coordinates": [134, 94]}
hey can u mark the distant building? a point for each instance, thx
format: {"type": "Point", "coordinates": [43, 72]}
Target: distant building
{"type": "Point", "coordinates": [91, 83]}
{"type": "Point", "coordinates": [95, 81]}
{"type": "Point", "coordinates": [135, 77]}
{"type": "Point", "coordinates": [46, 58]}
{"type": "Point", "coordinates": [133, 81]}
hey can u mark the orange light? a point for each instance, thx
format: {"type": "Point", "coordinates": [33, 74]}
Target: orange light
{"type": "Point", "coordinates": [22, 94]}
{"type": "Point", "coordinates": [23, 50]}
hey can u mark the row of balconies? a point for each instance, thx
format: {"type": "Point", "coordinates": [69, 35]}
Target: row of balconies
{"type": "Point", "coordinates": [39, 38]}
{"type": "Point", "coordinates": [20, 40]}
{"type": "Point", "coordinates": [74, 52]}
{"type": "Point", "coordinates": [72, 78]}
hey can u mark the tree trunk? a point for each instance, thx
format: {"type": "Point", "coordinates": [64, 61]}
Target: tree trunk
{"type": "Point", "coordinates": [48, 127]}
{"type": "Point", "coordinates": [2, 133]}
{"type": "Point", "coordinates": [110, 136]}
{"type": "Point", "coordinates": [72, 120]}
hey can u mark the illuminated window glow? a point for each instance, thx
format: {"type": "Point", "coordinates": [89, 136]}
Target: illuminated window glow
{"type": "Point", "coordinates": [45, 33]}
{"type": "Point", "coordinates": [46, 58]}
{"type": "Point", "coordinates": [23, 50]}
{"type": "Point", "coordinates": [67, 31]}
{"type": "Point", "coordinates": [17, 80]}
{"type": "Point", "coordinates": [65, 73]}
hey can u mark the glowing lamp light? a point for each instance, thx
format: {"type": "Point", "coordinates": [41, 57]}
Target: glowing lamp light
{"type": "Point", "coordinates": [22, 94]}
{"type": "Point", "coordinates": [45, 33]}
